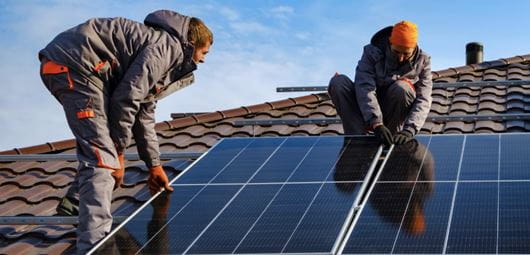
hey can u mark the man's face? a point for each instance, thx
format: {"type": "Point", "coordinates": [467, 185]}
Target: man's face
{"type": "Point", "coordinates": [199, 54]}
{"type": "Point", "coordinates": [401, 53]}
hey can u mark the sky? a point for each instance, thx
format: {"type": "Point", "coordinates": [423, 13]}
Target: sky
{"type": "Point", "coordinates": [258, 45]}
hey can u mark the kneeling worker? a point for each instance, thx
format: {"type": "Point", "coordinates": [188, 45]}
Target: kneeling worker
{"type": "Point", "coordinates": [391, 95]}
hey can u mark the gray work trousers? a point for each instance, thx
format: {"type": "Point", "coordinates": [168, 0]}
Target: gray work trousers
{"type": "Point", "coordinates": [395, 103]}
{"type": "Point", "coordinates": [85, 107]}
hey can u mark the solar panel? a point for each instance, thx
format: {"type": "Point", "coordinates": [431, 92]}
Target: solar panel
{"type": "Point", "coordinates": [255, 195]}
{"type": "Point", "coordinates": [449, 194]}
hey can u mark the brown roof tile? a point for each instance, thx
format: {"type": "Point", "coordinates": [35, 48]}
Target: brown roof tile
{"type": "Point", "coordinates": [455, 127]}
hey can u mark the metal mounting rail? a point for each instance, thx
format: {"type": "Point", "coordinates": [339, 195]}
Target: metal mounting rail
{"type": "Point", "coordinates": [435, 85]}
{"type": "Point", "coordinates": [494, 117]}
{"type": "Point", "coordinates": [185, 114]}
{"type": "Point", "coordinates": [441, 118]}
{"type": "Point", "coordinates": [48, 220]}
{"type": "Point", "coordinates": [321, 121]}
{"type": "Point", "coordinates": [73, 157]}
{"type": "Point", "coordinates": [302, 89]}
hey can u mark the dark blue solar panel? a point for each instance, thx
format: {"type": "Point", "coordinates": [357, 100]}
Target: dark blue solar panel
{"type": "Point", "coordinates": [515, 157]}
{"type": "Point", "coordinates": [230, 227]}
{"type": "Point", "coordinates": [481, 158]}
{"type": "Point", "coordinates": [355, 160]}
{"type": "Point", "coordinates": [485, 215]}
{"type": "Point", "coordinates": [285, 160]}
{"type": "Point", "coordinates": [249, 161]}
{"type": "Point", "coordinates": [191, 209]}
{"type": "Point", "coordinates": [214, 161]}
{"type": "Point", "coordinates": [407, 161]}
{"type": "Point", "coordinates": [272, 231]}
{"type": "Point", "coordinates": [320, 161]}
{"type": "Point", "coordinates": [514, 217]}
{"type": "Point", "coordinates": [474, 221]}
{"type": "Point", "coordinates": [324, 219]}
{"type": "Point", "coordinates": [273, 195]}
{"type": "Point", "coordinates": [446, 150]}
{"type": "Point", "coordinates": [422, 229]}
{"type": "Point", "coordinates": [383, 218]}
{"type": "Point", "coordinates": [257, 195]}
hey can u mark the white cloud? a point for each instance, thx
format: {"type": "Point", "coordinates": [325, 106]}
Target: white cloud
{"type": "Point", "coordinates": [249, 27]}
{"type": "Point", "coordinates": [229, 13]}
{"type": "Point", "coordinates": [302, 35]}
{"type": "Point", "coordinates": [282, 12]}
{"type": "Point", "coordinates": [283, 9]}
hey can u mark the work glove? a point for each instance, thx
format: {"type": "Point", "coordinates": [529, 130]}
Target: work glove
{"type": "Point", "coordinates": [383, 134]}
{"type": "Point", "coordinates": [402, 137]}
{"type": "Point", "coordinates": [158, 180]}
{"type": "Point", "coordinates": [117, 174]}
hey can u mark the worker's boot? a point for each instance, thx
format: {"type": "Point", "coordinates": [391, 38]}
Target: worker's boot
{"type": "Point", "coordinates": [68, 207]}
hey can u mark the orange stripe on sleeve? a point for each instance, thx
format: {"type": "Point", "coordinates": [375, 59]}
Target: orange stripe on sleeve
{"type": "Point", "coordinates": [85, 114]}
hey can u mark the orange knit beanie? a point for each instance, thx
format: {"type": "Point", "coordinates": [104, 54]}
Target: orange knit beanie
{"type": "Point", "coordinates": [404, 33]}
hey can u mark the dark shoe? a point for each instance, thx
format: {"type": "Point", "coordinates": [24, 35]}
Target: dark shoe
{"type": "Point", "coordinates": [68, 207]}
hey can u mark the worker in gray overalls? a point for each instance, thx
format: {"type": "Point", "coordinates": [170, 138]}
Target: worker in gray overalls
{"type": "Point", "coordinates": [108, 74]}
{"type": "Point", "coordinates": [391, 95]}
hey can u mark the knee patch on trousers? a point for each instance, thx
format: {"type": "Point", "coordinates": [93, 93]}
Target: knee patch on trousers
{"type": "Point", "coordinates": [340, 83]}
{"type": "Point", "coordinates": [403, 89]}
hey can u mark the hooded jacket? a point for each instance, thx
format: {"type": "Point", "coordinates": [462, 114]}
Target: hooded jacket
{"type": "Point", "coordinates": [378, 69]}
{"type": "Point", "coordinates": [134, 65]}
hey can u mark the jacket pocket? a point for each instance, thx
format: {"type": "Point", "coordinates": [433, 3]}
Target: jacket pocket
{"type": "Point", "coordinates": [81, 115]}
{"type": "Point", "coordinates": [51, 69]}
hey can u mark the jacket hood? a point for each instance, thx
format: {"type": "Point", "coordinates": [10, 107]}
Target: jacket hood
{"type": "Point", "coordinates": [380, 39]}
{"type": "Point", "coordinates": [170, 21]}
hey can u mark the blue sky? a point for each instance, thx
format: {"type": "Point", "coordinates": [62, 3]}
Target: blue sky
{"type": "Point", "coordinates": [258, 46]}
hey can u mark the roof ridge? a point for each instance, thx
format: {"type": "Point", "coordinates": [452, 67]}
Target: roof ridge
{"type": "Point", "coordinates": [480, 66]}
{"type": "Point", "coordinates": [183, 122]}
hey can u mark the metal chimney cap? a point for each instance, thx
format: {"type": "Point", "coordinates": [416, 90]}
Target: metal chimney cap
{"type": "Point", "coordinates": [474, 46]}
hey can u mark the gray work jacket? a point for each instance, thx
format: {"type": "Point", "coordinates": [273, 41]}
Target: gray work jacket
{"type": "Point", "coordinates": [135, 65]}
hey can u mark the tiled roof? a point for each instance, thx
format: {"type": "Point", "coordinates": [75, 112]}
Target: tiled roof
{"type": "Point", "coordinates": [34, 188]}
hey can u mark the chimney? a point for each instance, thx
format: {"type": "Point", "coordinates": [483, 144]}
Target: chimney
{"type": "Point", "coordinates": [474, 53]}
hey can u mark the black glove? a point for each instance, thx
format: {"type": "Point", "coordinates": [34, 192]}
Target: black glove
{"type": "Point", "coordinates": [402, 137]}
{"type": "Point", "coordinates": [383, 134]}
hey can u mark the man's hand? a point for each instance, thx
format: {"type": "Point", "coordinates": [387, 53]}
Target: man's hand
{"type": "Point", "coordinates": [383, 134]}
{"type": "Point", "coordinates": [402, 137]}
{"type": "Point", "coordinates": [158, 180]}
{"type": "Point", "coordinates": [118, 173]}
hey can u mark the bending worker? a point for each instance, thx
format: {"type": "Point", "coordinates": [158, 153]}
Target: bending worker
{"type": "Point", "coordinates": [108, 74]}
{"type": "Point", "coordinates": [391, 95]}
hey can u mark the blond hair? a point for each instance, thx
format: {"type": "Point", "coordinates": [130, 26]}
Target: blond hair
{"type": "Point", "coordinates": [199, 34]}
